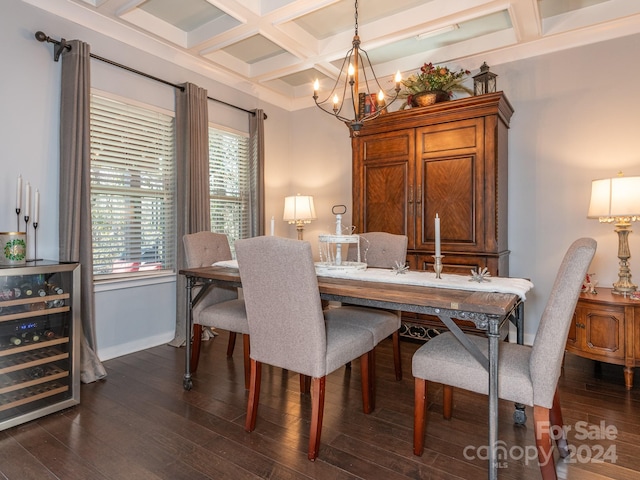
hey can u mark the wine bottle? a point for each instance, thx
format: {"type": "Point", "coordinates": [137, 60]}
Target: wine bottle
{"type": "Point", "coordinates": [49, 334]}
{"type": "Point", "coordinates": [31, 336]}
{"type": "Point", "coordinates": [35, 306]}
{"type": "Point", "coordinates": [55, 303]}
{"type": "Point", "coordinates": [27, 290]}
{"type": "Point", "coordinates": [9, 293]}
{"type": "Point", "coordinates": [54, 289]}
{"type": "Point", "coordinates": [15, 341]}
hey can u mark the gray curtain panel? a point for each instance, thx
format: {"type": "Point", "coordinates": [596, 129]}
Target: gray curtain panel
{"type": "Point", "coordinates": [256, 133]}
{"type": "Point", "coordinates": [192, 190]}
{"type": "Point", "coordinates": [75, 194]}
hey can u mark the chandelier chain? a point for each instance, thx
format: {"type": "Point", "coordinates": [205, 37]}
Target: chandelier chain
{"type": "Point", "coordinates": [356, 17]}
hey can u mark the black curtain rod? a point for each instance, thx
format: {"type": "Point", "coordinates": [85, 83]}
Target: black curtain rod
{"type": "Point", "coordinates": [62, 45]}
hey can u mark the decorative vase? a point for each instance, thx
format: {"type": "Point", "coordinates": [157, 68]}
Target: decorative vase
{"type": "Point", "coordinates": [423, 99]}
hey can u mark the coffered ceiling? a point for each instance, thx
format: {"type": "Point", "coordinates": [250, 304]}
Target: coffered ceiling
{"type": "Point", "coordinates": [276, 48]}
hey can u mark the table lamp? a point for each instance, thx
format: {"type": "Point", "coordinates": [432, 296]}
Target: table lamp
{"type": "Point", "coordinates": [299, 210]}
{"type": "Point", "coordinates": [618, 200]}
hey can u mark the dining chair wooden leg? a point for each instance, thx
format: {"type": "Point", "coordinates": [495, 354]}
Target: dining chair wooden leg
{"type": "Point", "coordinates": [195, 347]}
{"type": "Point", "coordinates": [419, 415]}
{"type": "Point", "coordinates": [254, 396]}
{"type": "Point", "coordinates": [542, 430]}
{"type": "Point", "coordinates": [305, 384]}
{"type": "Point", "coordinates": [317, 412]}
{"type": "Point", "coordinates": [367, 372]}
{"type": "Point", "coordinates": [397, 360]}
{"type": "Point", "coordinates": [246, 351]}
{"type": "Point", "coordinates": [231, 344]}
{"type": "Point", "coordinates": [557, 424]}
{"type": "Point", "coordinates": [447, 401]}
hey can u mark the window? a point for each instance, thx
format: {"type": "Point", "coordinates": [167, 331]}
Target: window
{"type": "Point", "coordinates": [132, 188]}
{"type": "Point", "coordinates": [230, 184]}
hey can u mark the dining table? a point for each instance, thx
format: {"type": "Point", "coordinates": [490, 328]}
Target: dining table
{"type": "Point", "coordinates": [488, 304]}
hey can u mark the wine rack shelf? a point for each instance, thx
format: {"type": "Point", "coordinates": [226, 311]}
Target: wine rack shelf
{"type": "Point", "coordinates": [39, 343]}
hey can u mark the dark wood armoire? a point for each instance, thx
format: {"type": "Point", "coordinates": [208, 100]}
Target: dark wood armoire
{"type": "Point", "coordinates": [448, 159]}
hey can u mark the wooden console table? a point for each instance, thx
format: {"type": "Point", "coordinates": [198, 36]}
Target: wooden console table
{"type": "Point", "coordinates": [606, 328]}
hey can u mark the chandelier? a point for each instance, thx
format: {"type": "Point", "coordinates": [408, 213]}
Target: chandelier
{"type": "Point", "coordinates": [365, 105]}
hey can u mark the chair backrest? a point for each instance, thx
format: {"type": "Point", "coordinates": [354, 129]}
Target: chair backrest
{"type": "Point", "coordinates": [205, 248]}
{"type": "Point", "coordinates": [548, 346]}
{"type": "Point", "coordinates": [283, 304]}
{"type": "Point", "coordinates": [202, 249]}
{"type": "Point", "coordinates": [380, 249]}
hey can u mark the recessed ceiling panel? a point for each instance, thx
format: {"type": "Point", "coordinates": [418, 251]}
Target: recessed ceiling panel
{"type": "Point", "coordinates": [305, 77]}
{"type": "Point", "coordinates": [254, 49]}
{"type": "Point", "coordinates": [465, 31]}
{"type": "Point", "coordinates": [190, 15]}
{"type": "Point", "coordinates": [340, 16]}
{"type": "Point", "coordinates": [551, 8]}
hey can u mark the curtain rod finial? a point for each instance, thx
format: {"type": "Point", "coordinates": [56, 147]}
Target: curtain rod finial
{"type": "Point", "coordinates": [61, 45]}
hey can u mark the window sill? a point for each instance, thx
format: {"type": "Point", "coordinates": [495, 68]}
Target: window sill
{"type": "Point", "coordinates": [132, 281]}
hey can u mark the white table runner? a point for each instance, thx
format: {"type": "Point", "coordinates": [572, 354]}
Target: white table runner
{"type": "Point", "coordinates": [517, 286]}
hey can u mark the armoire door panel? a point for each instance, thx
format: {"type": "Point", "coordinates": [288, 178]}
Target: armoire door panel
{"type": "Point", "coordinates": [386, 198]}
{"type": "Point", "coordinates": [450, 191]}
{"type": "Point", "coordinates": [385, 147]}
{"type": "Point", "coordinates": [450, 137]}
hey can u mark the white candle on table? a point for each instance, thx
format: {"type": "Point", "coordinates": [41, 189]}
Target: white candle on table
{"type": "Point", "coordinates": [273, 226]}
{"type": "Point", "coordinates": [437, 235]}
{"type": "Point", "coordinates": [36, 207]}
{"type": "Point", "coordinates": [19, 193]}
{"type": "Point", "coordinates": [27, 200]}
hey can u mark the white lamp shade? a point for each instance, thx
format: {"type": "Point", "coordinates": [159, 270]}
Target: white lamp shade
{"type": "Point", "coordinates": [615, 197]}
{"type": "Point", "coordinates": [299, 207]}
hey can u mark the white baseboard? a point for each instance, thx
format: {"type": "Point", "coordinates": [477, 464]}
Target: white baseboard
{"type": "Point", "coordinates": [134, 346]}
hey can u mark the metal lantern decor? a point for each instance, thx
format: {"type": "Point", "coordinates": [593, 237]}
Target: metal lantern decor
{"type": "Point", "coordinates": [485, 81]}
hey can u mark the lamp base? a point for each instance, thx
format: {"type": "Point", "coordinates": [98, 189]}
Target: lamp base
{"type": "Point", "coordinates": [625, 289]}
{"type": "Point", "coordinates": [624, 285]}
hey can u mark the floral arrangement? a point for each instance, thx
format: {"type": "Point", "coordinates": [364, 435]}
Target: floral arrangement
{"type": "Point", "coordinates": [434, 78]}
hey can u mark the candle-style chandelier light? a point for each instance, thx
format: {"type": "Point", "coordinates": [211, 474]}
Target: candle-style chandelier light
{"type": "Point", "coordinates": [367, 104]}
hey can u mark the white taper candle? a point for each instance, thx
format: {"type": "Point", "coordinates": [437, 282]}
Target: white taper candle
{"type": "Point", "coordinates": [27, 200]}
{"type": "Point", "coordinates": [36, 207]}
{"type": "Point", "coordinates": [19, 193]}
{"type": "Point", "coordinates": [437, 235]}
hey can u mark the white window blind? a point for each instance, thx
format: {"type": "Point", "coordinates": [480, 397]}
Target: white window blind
{"type": "Point", "coordinates": [132, 188]}
{"type": "Point", "coordinates": [229, 184]}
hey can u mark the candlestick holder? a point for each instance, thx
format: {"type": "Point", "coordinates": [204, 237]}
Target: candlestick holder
{"type": "Point", "coordinates": [26, 233]}
{"type": "Point", "coordinates": [437, 265]}
{"type": "Point", "coordinates": [35, 243]}
{"type": "Point", "coordinates": [18, 219]}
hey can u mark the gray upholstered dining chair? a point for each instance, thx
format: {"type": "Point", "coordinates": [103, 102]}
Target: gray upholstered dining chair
{"type": "Point", "coordinates": [220, 307]}
{"type": "Point", "coordinates": [288, 328]}
{"type": "Point", "coordinates": [526, 375]}
{"type": "Point", "coordinates": [384, 250]}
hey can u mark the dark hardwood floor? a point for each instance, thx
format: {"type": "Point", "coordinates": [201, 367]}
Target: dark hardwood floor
{"type": "Point", "coordinates": [140, 424]}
